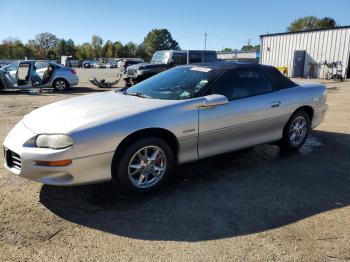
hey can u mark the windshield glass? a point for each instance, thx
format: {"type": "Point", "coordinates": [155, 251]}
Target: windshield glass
{"type": "Point", "coordinates": [160, 57]}
{"type": "Point", "coordinates": [177, 83]}
{"type": "Point", "coordinates": [11, 67]}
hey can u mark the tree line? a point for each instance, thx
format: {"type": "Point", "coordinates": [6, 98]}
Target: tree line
{"type": "Point", "coordinates": [48, 46]}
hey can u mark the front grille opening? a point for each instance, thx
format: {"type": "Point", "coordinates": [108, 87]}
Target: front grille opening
{"type": "Point", "coordinates": [13, 159]}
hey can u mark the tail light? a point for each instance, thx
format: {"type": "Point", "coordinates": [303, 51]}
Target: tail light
{"type": "Point", "coordinates": [73, 71]}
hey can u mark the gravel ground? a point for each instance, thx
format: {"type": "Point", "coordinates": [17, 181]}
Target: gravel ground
{"type": "Point", "coordinates": [250, 205]}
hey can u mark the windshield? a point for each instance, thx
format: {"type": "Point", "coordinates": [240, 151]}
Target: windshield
{"type": "Point", "coordinates": [177, 83]}
{"type": "Point", "coordinates": [161, 57]}
{"type": "Point", "coordinates": [11, 67]}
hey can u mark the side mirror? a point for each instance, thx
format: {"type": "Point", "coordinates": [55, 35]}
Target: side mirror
{"type": "Point", "coordinates": [215, 100]}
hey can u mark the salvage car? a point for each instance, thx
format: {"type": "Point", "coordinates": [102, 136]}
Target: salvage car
{"type": "Point", "coordinates": [29, 74]}
{"type": "Point", "coordinates": [163, 60]}
{"type": "Point", "coordinates": [136, 136]}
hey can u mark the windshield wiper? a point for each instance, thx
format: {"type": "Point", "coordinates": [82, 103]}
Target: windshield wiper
{"type": "Point", "coordinates": [138, 94]}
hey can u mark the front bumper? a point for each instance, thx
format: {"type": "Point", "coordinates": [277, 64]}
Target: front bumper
{"type": "Point", "coordinates": [82, 170]}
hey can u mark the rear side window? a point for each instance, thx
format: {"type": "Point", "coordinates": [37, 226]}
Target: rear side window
{"type": "Point", "coordinates": [195, 57]}
{"type": "Point", "coordinates": [41, 65]}
{"type": "Point", "coordinates": [180, 58]}
{"type": "Point", "coordinates": [278, 80]}
{"type": "Point", "coordinates": [241, 83]}
{"type": "Point", "coordinates": [209, 57]}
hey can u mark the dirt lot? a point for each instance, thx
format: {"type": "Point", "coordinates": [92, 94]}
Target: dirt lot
{"type": "Point", "coordinates": [250, 205]}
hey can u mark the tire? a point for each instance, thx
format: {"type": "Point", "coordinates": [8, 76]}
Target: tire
{"type": "Point", "coordinates": [60, 84]}
{"type": "Point", "coordinates": [133, 173]}
{"type": "Point", "coordinates": [299, 125]}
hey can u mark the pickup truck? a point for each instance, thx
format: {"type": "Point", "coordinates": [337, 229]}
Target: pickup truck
{"type": "Point", "coordinates": [163, 60]}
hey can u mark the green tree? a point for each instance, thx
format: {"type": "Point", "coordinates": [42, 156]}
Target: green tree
{"type": "Point", "coordinates": [96, 43]}
{"type": "Point", "coordinates": [44, 44]}
{"type": "Point", "coordinates": [60, 48]}
{"type": "Point", "coordinates": [14, 49]}
{"type": "Point", "coordinates": [141, 51]}
{"type": "Point", "coordinates": [130, 49]}
{"type": "Point", "coordinates": [311, 22]}
{"type": "Point", "coordinates": [108, 49]}
{"type": "Point", "coordinates": [226, 49]}
{"type": "Point", "coordinates": [159, 39]}
{"type": "Point", "coordinates": [70, 47]}
{"type": "Point", "coordinates": [327, 22]}
{"type": "Point", "coordinates": [250, 47]}
{"type": "Point", "coordinates": [84, 51]}
{"type": "Point", "coordinates": [118, 49]}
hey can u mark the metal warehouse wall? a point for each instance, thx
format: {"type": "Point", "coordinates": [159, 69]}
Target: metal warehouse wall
{"type": "Point", "coordinates": [238, 55]}
{"type": "Point", "coordinates": [329, 45]}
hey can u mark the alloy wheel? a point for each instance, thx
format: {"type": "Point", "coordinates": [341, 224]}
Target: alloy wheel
{"type": "Point", "coordinates": [60, 85]}
{"type": "Point", "coordinates": [147, 167]}
{"type": "Point", "coordinates": [298, 130]}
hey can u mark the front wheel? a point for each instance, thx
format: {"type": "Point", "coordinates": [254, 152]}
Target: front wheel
{"type": "Point", "coordinates": [296, 131]}
{"type": "Point", "coordinates": [144, 166]}
{"type": "Point", "coordinates": [60, 85]}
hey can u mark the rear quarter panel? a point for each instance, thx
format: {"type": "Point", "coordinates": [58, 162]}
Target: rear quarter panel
{"type": "Point", "coordinates": [305, 94]}
{"type": "Point", "coordinates": [65, 73]}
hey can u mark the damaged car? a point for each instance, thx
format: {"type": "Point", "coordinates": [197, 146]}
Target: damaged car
{"type": "Point", "coordinates": [29, 74]}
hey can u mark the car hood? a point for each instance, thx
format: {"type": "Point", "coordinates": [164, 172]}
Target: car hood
{"type": "Point", "coordinates": [71, 114]}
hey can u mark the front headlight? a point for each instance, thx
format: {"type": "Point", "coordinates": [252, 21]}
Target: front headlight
{"type": "Point", "coordinates": [56, 141]}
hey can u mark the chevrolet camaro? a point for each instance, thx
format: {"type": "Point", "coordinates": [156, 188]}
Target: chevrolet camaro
{"type": "Point", "coordinates": [136, 136]}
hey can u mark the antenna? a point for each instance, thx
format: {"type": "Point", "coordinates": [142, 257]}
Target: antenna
{"type": "Point", "coordinates": [205, 41]}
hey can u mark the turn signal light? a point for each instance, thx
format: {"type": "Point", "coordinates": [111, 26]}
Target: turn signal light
{"type": "Point", "coordinates": [54, 163]}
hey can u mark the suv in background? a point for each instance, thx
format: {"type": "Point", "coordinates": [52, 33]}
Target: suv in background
{"type": "Point", "coordinates": [163, 60]}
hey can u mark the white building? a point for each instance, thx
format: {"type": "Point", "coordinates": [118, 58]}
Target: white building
{"type": "Point", "coordinates": [239, 55]}
{"type": "Point", "coordinates": [306, 54]}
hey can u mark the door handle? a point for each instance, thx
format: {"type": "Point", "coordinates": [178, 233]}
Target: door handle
{"type": "Point", "coordinates": [275, 104]}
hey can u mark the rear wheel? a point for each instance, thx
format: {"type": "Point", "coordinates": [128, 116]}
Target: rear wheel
{"type": "Point", "coordinates": [296, 131]}
{"type": "Point", "coordinates": [144, 166]}
{"type": "Point", "coordinates": [60, 84]}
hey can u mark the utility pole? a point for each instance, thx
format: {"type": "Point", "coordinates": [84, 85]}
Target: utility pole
{"type": "Point", "coordinates": [205, 41]}
{"type": "Point", "coordinates": [248, 42]}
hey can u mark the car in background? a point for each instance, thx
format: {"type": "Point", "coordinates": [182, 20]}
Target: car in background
{"type": "Point", "coordinates": [29, 74]}
{"type": "Point", "coordinates": [111, 65]}
{"type": "Point", "coordinates": [99, 65]}
{"type": "Point", "coordinates": [87, 64]}
{"type": "Point", "coordinates": [136, 136]}
{"type": "Point", "coordinates": [163, 60]}
{"type": "Point", "coordinates": [123, 64]}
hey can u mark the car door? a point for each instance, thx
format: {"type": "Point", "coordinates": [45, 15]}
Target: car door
{"type": "Point", "coordinates": [11, 75]}
{"type": "Point", "coordinates": [23, 75]}
{"type": "Point", "coordinates": [37, 74]}
{"type": "Point", "coordinates": [250, 117]}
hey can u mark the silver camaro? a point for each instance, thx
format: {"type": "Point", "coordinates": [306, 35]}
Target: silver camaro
{"type": "Point", "coordinates": [134, 137]}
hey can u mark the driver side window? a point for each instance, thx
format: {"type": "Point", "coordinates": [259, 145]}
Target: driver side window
{"type": "Point", "coordinates": [242, 83]}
